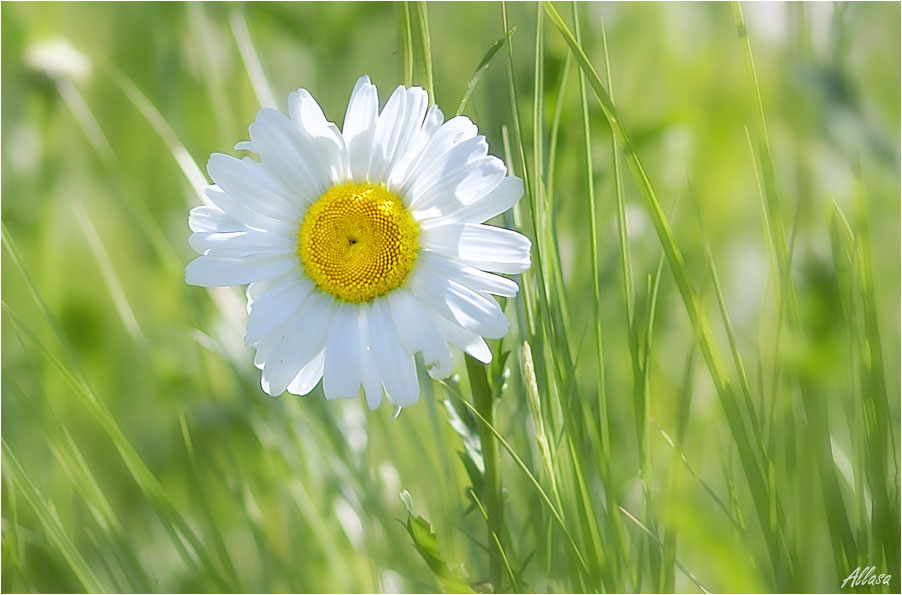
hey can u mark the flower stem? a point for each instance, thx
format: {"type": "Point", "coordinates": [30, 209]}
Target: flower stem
{"type": "Point", "coordinates": [491, 488]}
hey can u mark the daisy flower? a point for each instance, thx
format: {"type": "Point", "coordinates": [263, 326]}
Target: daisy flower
{"type": "Point", "coordinates": [362, 246]}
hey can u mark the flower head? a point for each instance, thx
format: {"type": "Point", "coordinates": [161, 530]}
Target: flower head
{"type": "Point", "coordinates": [363, 246]}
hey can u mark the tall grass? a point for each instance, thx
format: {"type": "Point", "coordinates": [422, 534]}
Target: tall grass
{"type": "Point", "coordinates": [698, 391]}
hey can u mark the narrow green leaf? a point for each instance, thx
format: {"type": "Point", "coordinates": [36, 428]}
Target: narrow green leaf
{"type": "Point", "coordinates": [425, 48]}
{"type": "Point", "coordinates": [49, 522]}
{"type": "Point", "coordinates": [535, 483]}
{"type": "Point", "coordinates": [480, 69]}
{"type": "Point", "coordinates": [406, 33]}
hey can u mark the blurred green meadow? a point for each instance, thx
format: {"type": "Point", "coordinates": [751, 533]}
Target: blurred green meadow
{"type": "Point", "coordinates": [710, 399]}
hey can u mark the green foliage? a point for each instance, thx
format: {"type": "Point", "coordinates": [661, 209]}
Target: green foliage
{"type": "Point", "coordinates": [426, 544]}
{"type": "Point", "coordinates": [700, 388]}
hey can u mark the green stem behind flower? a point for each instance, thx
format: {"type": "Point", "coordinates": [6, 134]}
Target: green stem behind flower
{"type": "Point", "coordinates": [482, 398]}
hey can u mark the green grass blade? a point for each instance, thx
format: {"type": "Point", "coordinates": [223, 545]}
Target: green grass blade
{"type": "Point", "coordinates": [202, 36]}
{"type": "Point", "coordinates": [875, 401]}
{"type": "Point", "coordinates": [749, 456]}
{"type": "Point", "coordinates": [519, 461]}
{"type": "Point", "coordinates": [183, 159]}
{"type": "Point", "coordinates": [138, 209]}
{"type": "Point", "coordinates": [405, 32]}
{"type": "Point", "coordinates": [251, 59]}
{"type": "Point", "coordinates": [480, 69]}
{"type": "Point", "coordinates": [605, 428]}
{"type": "Point", "coordinates": [172, 521]}
{"type": "Point", "coordinates": [71, 460]}
{"type": "Point", "coordinates": [514, 102]}
{"type": "Point", "coordinates": [425, 48]}
{"type": "Point", "coordinates": [554, 135]}
{"type": "Point", "coordinates": [219, 545]}
{"type": "Point", "coordinates": [815, 407]}
{"type": "Point", "coordinates": [117, 293]}
{"type": "Point", "coordinates": [688, 573]}
{"type": "Point", "coordinates": [497, 541]}
{"type": "Point", "coordinates": [49, 522]}
{"type": "Point", "coordinates": [484, 400]}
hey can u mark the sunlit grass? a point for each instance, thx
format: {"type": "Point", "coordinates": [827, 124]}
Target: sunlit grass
{"type": "Point", "coordinates": [699, 391]}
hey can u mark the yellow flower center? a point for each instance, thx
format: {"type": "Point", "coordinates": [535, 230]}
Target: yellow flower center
{"type": "Point", "coordinates": [358, 242]}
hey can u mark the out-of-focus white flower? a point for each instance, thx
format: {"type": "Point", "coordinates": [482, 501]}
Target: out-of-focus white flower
{"type": "Point", "coordinates": [391, 581]}
{"type": "Point", "coordinates": [388, 473]}
{"type": "Point", "coordinates": [636, 220]}
{"type": "Point", "coordinates": [58, 59]}
{"type": "Point", "coordinates": [355, 427]}
{"type": "Point", "coordinates": [769, 21]}
{"type": "Point", "coordinates": [349, 521]}
{"type": "Point", "coordinates": [27, 154]}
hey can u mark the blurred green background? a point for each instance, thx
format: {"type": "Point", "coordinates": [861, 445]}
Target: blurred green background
{"type": "Point", "coordinates": [141, 455]}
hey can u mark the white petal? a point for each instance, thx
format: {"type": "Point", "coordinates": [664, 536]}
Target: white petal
{"type": "Point", "coordinates": [237, 244]}
{"type": "Point", "coordinates": [470, 343]}
{"type": "Point", "coordinates": [272, 310]}
{"type": "Point", "coordinates": [473, 278]}
{"type": "Point", "coordinates": [212, 218]}
{"type": "Point", "coordinates": [359, 127]}
{"type": "Point", "coordinates": [398, 123]}
{"type": "Point", "coordinates": [396, 365]}
{"type": "Point", "coordinates": [419, 333]}
{"type": "Point", "coordinates": [369, 374]}
{"type": "Point", "coordinates": [501, 198]}
{"type": "Point", "coordinates": [447, 171]}
{"type": "Point", "coordinates": [321, 133]}
{"type": "Point", "coordinates": [291, 158]}
{"type": "Point", "coordinates": [212, 271]}
{"type": "Point", "coordinates": [308, 377]}
{"type": "Point", "coordinates": [258, 288]}
{"type": "Point", "coordinates": [388, 123]}
{"type": "Point", "coordinates": [239, 211]}
{"type": "Point", "coordinates": [464, 186]}
{"type": "Point", "coordinates": [263, 348]}
{"type": "Point", "coordinates": [450, 134]}
{"type": "Point", "coordinates": [470, 310]}
{"type": "Point", "coordinates": [250, 186]}
{"type": "Point", "coordinates": [407, 157]}
{"type": "Point", "coordinates": [300, 340]}
{"type": "Point", "coordinates": [482, 246]}
{"type": "Point", "coordinates": [341, 378]}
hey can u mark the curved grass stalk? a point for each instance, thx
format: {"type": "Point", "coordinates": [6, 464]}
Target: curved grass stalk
{"type": "Point", "coordinates": [182, 157]}
{"type": "Point", "coordinates": [532, 478]}
{"type": "Point", "coordinates": [686, 572]}
{"type": "Point", "coordinates": [480, 69]}
{"type": "Point", "coordinates": [109, 274]}
{"type": "Point", "coordinates": [49, 521]}
{"type": "Point", "coordinates": [212, 79]}
{"type": "Point", "coordinates": [70, 458]}
{"type": "Point", "coordinates": [86, 120]}
{"type": "Point", "coordinates": [251, 60]}
{"type": "Point", "coordinates": [173, 522]}
{"type": "Point", "coordinates": [497, 541]}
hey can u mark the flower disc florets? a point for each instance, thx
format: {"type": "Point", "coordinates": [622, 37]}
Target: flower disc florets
{"type": "Point", "coordinates": [358, 242]}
